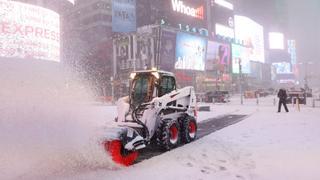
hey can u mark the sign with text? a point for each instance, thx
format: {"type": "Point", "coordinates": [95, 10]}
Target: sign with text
{"type": "Point", "coordinates": [28, 31]}
{"type": "Point", "coordinates": [124, 15]}
{"type": "Point", "coordinates": [185, 13]}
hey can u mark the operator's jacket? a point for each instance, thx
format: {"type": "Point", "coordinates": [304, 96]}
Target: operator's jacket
{"type": "Point", "coordinates": [282, 95]}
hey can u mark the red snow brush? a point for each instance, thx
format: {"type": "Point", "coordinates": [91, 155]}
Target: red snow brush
{"type": "Point", "coordinates": [119, 154]}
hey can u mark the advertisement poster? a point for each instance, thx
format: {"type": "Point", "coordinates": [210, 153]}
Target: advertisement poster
{"type": "Point", "coordinates": [167, 52]}
{"type": "Point", "coordinates": [124, 15]}
{"type": "Point", "coordinates": [251, 33]}
{"type": "Point", "coordinates": [144, 54]}
{"type": "Point", "coordinates": [217, 54]}
{"type": "Point", "coordinates": [122, 56]}
{"type": "Point", "coordinates": [29, 32]}
{"type": "Point", "coordinates": [190, 52]}
{"type": "Point", "coordinates": [240, 54]}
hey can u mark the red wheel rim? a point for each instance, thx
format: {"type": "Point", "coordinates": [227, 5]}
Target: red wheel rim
{"type": "Point", "coordinates": [192, 129]}
{"type": "Point", "coordinates": [174, 134]}
{"type": "Point", "coordinates": [116, 151]}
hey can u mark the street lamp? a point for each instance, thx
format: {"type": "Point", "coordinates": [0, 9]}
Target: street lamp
{"type": "Point", "coordinates": [240, 82]}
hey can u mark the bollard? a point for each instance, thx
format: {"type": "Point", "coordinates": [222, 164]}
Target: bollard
{"type": "Point", "coordinates": [298, 104]}
{"type": "Point", "coordinates": [274, 101]}
{"type": "Point", "coordinates": [313, 103]}
{"type": "Point", "coordinates": [293, 101]}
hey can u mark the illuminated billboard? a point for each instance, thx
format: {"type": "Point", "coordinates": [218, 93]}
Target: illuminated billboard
{"type": "Point", "coordinates": [187, 15]}
{"type": "Point", "coordinates": [190, 52]}
{"type": "Point", "coordinates": [276, 40]}
{"type": "Point", "coordinates": [251, 33]}
{"type": "Point", "coordinates": [240, 54]}
{"type": "Point", "coordinates": [282, 68]}
{"type": "Point", "coordinates": [217, 54]}
{"type": "Point", "coordinates": [28, 31]}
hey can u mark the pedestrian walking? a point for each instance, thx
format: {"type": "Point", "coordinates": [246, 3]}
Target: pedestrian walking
{"type": "Point", "coordinates": [282, 95]}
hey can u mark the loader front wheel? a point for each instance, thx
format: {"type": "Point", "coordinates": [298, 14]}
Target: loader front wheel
{"type": "Point", "coordinates": [168, 134]}
{"type": "Point", "coordinates": [119, 154]}
{"type": "Point", "coordinates": [189, 129]}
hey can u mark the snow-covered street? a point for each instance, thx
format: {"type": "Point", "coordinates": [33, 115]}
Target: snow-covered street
{"type": "Point", "coordinates": [267, 145]}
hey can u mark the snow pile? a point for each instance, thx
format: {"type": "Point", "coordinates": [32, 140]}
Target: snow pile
{"type": "Point", "coordinates": [47, 125]}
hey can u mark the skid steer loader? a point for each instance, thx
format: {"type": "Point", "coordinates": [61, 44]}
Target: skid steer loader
{"type": "Point", "coordinates": [155, 112]}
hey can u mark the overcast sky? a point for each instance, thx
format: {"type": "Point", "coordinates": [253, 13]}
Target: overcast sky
{"type": "Point", "coordinates": [304, 25]}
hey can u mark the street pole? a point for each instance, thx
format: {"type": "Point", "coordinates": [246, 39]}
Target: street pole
{"type": "Point", "coordinates": [240, 82]}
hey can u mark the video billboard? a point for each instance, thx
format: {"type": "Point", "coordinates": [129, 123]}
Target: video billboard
{"type": "Point", "coordinates": [282, 68]}
{"type": "Point", "coordinates": [251, 33]}
{"type": "Point", "coordinates": [276, 40]}
{"type": "Point", "coordinates": [217, 54]}
{"type": "Point", "coordinates": [28, 31]}
{"type": "Point", "coordinates": [240, 54]}
{"type": "Point", "coordinates": [190, 52]}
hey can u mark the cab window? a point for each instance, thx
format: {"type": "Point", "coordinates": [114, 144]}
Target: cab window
{"type": "Point", "coordinates": [167, 85]}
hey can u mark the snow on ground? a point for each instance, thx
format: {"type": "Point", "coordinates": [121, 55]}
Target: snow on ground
{"type": "Point", "coordinates": [48, 131]}
{"type": "Point", "coordinates": [267, 145]}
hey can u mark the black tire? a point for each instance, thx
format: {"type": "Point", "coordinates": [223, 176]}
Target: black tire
{"type": "Point", "coordinates": [168, 134]}
{"type": "Point", "coordinates": [188, 129]}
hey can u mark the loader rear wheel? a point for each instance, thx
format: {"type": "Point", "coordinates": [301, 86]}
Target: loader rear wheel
{"type": "Point", "coordinates": [119, 154]}
{"type": "Point", "coordinates": [168, 134]}
{"type": "Point", "coordinates": [189, 129]}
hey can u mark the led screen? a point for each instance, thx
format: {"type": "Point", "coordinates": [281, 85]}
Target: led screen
{"type": "Point", "coordinates": [276, 40]}
{"type": "Point", "coordinates": [240, 53]}
{"type": "Point", "coordinates": [217, 54]}
{"type": "Point", "coordinates": [28, 31]}
{"type": "Point", "coordinates": [282, 67]}
{"type": "Point", "coordinates": [251, 33]}
{"type": "Point", "coordinates": [190, 52]}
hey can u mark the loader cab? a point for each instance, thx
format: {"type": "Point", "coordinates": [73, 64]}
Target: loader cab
{"type": "Point", "coordinates": [147, 85]}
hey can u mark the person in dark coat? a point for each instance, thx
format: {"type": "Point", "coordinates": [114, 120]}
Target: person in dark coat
{"type": "Point", "coordinates": [282, 95]}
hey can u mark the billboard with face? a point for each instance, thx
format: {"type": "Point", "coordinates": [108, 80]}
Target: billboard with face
{"type": "Point", "coordinates": [167, 50]}
{"type": "Point", "coordinates": [190, 52]}
{"type": "Point", "coordinates": [28, 31]}
{"type": "Point", "coordinates": [217, 54]}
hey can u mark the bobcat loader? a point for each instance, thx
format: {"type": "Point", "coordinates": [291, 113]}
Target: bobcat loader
{"type": "Point", "coordinates": [155, 112]}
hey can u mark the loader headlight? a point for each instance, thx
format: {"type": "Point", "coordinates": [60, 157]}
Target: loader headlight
{"type": "Point", "coordinates": [133, 75]}
{"type": "Point", "coordinates": [156, 74]}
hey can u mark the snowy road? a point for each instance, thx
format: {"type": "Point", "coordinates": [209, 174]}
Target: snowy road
{"type": "Point", "coordinates": [205, 127]}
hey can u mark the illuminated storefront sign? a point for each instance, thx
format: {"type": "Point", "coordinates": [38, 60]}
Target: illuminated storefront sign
{"type": "Point", "coordinates": [28, 31]}
{"type": "Point", "coordinates": [179, 6]}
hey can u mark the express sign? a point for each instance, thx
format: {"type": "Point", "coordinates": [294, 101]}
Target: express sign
{"type": "Point", "coordinates": [29, 32]}
{"type": "Point", "coordinates": [180, 7]}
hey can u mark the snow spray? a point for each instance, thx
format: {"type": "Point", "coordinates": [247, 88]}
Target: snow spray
{"type": "Point", "coordinates": [48, 127]}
